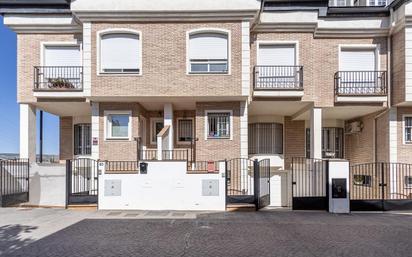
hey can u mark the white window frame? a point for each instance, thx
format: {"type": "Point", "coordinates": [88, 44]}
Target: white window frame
{"type": "Point", "coordinates": [98, 51]}
{"type": "Point", "coordinates": [269, 43]}
{"type": "Point", "coordinates": [209, 30]}
{"type": "Point", "coordinates": [107, 123]}
{"type": "Point", "coordinates": [152, 127]}
{"type": "Point", "coordinates": [404, 129]}
{"type": "Point", "coordinates": [407, 185]}
{"type": "Point", "coordinates": [360, 47]}
{"type": "Point", "coordinates": [45, 44]}
{"type": "Point", "coordinates": [207, 124]}
{"type": "Point", "coordinates": [177, 130]}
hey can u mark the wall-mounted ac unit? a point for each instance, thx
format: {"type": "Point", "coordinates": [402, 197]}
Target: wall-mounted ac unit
{"type": "Point", "coordinates": [353, 127]}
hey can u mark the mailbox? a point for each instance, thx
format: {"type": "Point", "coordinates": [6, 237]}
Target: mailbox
{"type": "Point", "coordinates": [143, 168]}
{"type": "Point", "coordinates": [339, 189]}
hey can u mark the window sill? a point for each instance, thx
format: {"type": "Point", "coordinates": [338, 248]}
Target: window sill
{"type": "Point", "coordinates": [208, 73]}
{"type": "Point", "coordinates": [117, 139]}
{"type": "Point", "coordinates": [227, 138]}
{"type": "Point", "coordinates": [108, 74]}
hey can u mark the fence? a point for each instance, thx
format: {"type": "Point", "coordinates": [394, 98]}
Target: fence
{"type": "Point", "coordinates": [14, 181]}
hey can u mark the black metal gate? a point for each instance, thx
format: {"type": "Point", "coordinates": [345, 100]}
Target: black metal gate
{"type": "Point", "coordinates": [240, 181]}
{"type": "Point", "coordinates": [310, 184]}
{"type": "Point", "coordinates": [14, 182]}
{"type": "Point", "coordinates": [82, 181]}
{"type": "Point", "coordinates": [381, 186]}
{"type": "Point", "coordinates": [262, 183]}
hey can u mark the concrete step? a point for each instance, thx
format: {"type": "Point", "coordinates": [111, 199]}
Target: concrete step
{"type": "Point", "coordinates": [82, 207]}
{"type": "Point", "coordinates": [240, 207]}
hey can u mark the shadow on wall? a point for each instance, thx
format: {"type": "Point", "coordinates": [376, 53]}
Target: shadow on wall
{"type": "Point", "coordinates": [11, 238]}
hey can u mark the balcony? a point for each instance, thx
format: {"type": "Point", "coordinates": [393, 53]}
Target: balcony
{"type": "Point", "coordinates": [361, 86]}
{"type": "Point", "coordinates": [58, 78]}
{"type": "Point", "coordinates": [278, 81]}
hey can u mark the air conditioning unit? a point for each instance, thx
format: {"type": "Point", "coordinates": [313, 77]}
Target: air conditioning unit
{"type": "Point", "coordinates": [353, 127]}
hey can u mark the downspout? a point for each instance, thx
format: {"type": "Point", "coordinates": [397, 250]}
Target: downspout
{"type": "Point", "coordinates": [389, 101]}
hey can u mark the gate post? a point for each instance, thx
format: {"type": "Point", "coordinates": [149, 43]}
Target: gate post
{"type": "Point", "coordinates": [226, 180]}
{"type": "Point", "coordinates": [68, 180]}
{"type": "Point", "coordinates": [382, 167]}
{"type": "Point", "coordinates": [256, 186]}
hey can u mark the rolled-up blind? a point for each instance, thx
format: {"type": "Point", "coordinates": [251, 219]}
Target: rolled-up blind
{"type": "Point", "coordinates": [357, 60]}
{"type": "Point", "coordinates": [277, 55]}
{"type": "Point", "coordinates": [208, 46]}
{"type": "Point", "coordinates": [120, 51]}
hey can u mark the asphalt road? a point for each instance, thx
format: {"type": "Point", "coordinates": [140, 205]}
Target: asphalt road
{"type": "Point", "coordinates": [221, 234]}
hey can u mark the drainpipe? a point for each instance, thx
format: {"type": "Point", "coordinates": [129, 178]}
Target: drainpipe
{"type": "Point", "coordinates": [41, 137]}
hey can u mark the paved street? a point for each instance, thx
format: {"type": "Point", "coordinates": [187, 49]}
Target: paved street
{"type": "Point", "coordinates": [45, 232]}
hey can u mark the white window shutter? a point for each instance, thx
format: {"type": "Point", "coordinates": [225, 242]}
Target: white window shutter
{"type": "Point", "coordinates": [277, 55]}
{"type": "Point", "coordinates": [208, 46]}
{"type": "Point", "coordinates": [357, 60]}
{"type": "Point", "coordinates": [119, 51]}
{"type": "Point", "coordinates": [62, 56]}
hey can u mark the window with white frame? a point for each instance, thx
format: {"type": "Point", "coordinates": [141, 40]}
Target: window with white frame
{"type": "Point", "coordinates": [218, 124]}
{"type": "Point", "coordinates": [120, 53]}
{"type": "Point", "coordinates": [118, 125]}
{"type": "Point", "coordinates": [156, 125]}
{"type": "Point", "coordinates": [408, 129]}
{"type": "Point", "coordinates": [208, 52]}
{"type": "Point", "coordinates": [408, 181]}
{"type": "Point", "coordinates": [184, 130]}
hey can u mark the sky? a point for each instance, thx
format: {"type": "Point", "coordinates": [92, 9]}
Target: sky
{"type": "Point", "coordinates": [9, 108]}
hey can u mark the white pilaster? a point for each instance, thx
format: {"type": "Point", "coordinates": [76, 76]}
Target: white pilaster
{"type": "Point", "coordinates": [168, 121]}
{"type": "Point", "coordinates": [87, 58]}
{"type": "Point", "coordinates": [28, 132]}
{"type": "Point", "coordinates": [316, 133]}
{"type": "Point", "coordinates": [95, 130]}
{"type": "Point", "coordinates": [244, 130]}
{"type": "Point", "coordinates": [393, 135]}
{"type": "Point", "coordinates": [245, 58]}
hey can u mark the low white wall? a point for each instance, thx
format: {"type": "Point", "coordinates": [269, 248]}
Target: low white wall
{"type": "Point", "coordinates": [47, 186]}
{"type": "Point", "coordinates": [166, 186]}
{"type": "Point", "coordinates": [280, 189]}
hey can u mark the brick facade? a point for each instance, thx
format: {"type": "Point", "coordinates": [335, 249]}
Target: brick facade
{"type": "Point", "coordinates": [294, 140]}
{"type": "Point", "coordinates": [66, 138]}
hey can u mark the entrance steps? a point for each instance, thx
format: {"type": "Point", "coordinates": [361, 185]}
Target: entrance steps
{"type": "Point", "coordinates": [82, 207]}
{"type": "Point", "coordinates": [240, 207]}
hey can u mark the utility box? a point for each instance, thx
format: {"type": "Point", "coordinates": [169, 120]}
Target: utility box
{"type": "Point", "coordinates": [143, 168]}
{"type": "Point", "coordinates": [339, 201]}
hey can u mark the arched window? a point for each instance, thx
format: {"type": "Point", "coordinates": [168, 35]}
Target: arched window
{"type": "Point", "coordinates": [208, 52]}
{"type": "Point", "coordinates": [120, 53]}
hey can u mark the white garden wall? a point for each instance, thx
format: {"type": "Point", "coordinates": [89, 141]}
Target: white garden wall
{"type": "Point", "coordinates": [166, 186]}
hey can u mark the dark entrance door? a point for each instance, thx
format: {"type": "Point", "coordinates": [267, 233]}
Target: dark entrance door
{"type": "Point", "coordinates": [82, 181]}
{"type": "Point", "coordinates": [240, 181]}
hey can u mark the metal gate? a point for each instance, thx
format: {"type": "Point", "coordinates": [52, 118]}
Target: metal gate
{"type": "Point", "coordinates": [381, 186]}
{"type": "Point", "coordinates": [82, 181]}
{"type": "Point", "coordinates": [14, 182]}
{"type": "Point", "coordinates": [248, 182]}
{"type": "Point", "coordinates": [309, 184]}
{"type": "Point", "coordinates": [262, 183]}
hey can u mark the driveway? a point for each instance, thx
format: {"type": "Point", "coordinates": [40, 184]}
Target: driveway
{"type": "Point", "coordinates": [47, 232]}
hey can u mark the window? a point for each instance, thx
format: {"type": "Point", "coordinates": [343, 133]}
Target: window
{"type": "Point", "coordinates": [332, 143]}
{"type": "Point", "coordinates": [184, 130]}
{"type": "Point", "coordinates": [265, 138]}
{"type": "Point", "coordinates": [362, 180]}
{"type": "Point", "coordinates": [118, 125]}
{"type": "Point", "coordinates": [407, 120]}
{"type": "Point", "coordinates": [120, 53]}
{"type": "Point", "coordinates": [82, 139]}
{"type": "Point", "coordinates": [354, 59]}
{"type": "Point", "coordinates": [62, 55]}
{"type": "Point", "coordinates": [408, 181]}
{"type": "Point", "coordinates": [218, 124]}
{"type": "Point", "coordinates": [156, 126]}
{"type": "Point", "coordinates": [208, 53]}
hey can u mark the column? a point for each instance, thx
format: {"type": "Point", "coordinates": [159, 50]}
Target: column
{"type": "Point", "coordinates": [316, 133]}
{"type": "Point", "coordinates": [244, 153]}
{"type": "Point", "coordinates": [95, 130]}
{"type": "Point", "coordinates": [168, 121]}
{"type": "Point", "coordinates": [28, 132]}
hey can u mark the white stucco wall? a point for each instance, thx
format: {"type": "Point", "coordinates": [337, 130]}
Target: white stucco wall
{"type": "Point", "coordinates": [47, 186]}
{"type": "Point", "coordinates": [281, 189]}
{"type": "Point", "coordinates": [166, 186]}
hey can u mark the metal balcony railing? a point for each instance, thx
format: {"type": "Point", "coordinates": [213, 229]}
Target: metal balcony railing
{"type": "Point", "coordinates": [278, 77]}
{"type": "Point", "coordinates": [361, 83]}
{"type": "Point", "coordinates": [58, 78]}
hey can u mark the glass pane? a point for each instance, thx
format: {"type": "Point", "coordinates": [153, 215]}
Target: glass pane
{"type": "Point", "coordinates": [198, 67]}
{"type": "Point", "coordinates": [218, 67]}
{"type": "Point", "coordinates": [120, 125]}
{"type": "Point", "coordinates": [185, 130]}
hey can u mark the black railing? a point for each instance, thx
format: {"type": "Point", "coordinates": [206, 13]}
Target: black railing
{"type": "Point", "coordinates": [122, 166]}
{"type": "Point", "coordinates": [278, 77]}
{"type": "Point", "coordinates": [14, 181]}
{"type": "Point", "coordinates": [58, 78]}
{"type": "Point", "coordinates": [203, 166]}
{"type": "Point", "coordinates": [361, 83]}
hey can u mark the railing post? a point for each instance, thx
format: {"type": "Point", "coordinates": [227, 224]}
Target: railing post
{"type": "Point", "coordinates": [256, 185]}
{"type": "Point", "coordinates": [68, 180]}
